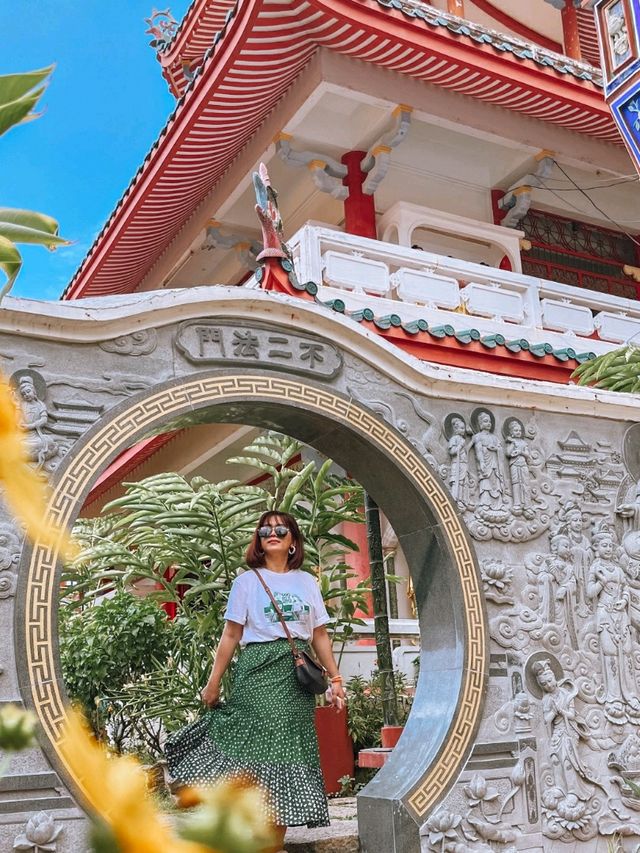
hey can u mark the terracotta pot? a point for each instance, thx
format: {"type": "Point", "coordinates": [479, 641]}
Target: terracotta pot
{"type": "Point", "coordinates": [336, 747]}
{"type": "Point", "coordinates": [390, 735]}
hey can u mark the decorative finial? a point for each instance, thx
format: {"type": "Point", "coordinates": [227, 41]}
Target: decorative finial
{"type": "Point", "coordinates": [162, 26]}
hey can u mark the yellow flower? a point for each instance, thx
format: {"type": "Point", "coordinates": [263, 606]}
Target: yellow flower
{"type": "Point", "coordinates": [23, 488]}
{"type": "Point", "coordinates": [231, 815]}
{"type": "Point", "coordinates": [115, 787]}
{"type": "Point", "coordinates": [17, 728]}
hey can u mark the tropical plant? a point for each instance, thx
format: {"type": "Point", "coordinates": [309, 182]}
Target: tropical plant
{"type": "Point", "coordinates": [103, 648]}
{"type": "Point", "coordinates": [189, 540]}
{"type": "Point", "coordinates": [366, 713]}
{"type": "Point", "coordinates": [19, 94]}
{"type": "Point", "coordinates": [618, 370]}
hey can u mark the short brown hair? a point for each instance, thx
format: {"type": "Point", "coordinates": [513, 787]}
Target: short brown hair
{"type": "Point", "coordinates": [255, 555]}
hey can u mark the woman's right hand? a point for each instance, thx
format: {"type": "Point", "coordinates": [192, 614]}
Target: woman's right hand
{"type": "Point", "coordinates": [210, 695]}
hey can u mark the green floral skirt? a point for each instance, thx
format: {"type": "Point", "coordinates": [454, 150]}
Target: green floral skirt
{"type": "Point", "coordinates": [265, 733]}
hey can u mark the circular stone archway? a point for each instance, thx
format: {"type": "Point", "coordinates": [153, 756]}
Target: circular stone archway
{"type": "Point", "coordinates": [454, 647]}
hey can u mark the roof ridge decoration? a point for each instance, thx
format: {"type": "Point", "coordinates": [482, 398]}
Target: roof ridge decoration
{"type": "Point", "coordinates": [162, 27]}
{"type": "Point", "coordinates": [205, 133]}
{"type": "Point", "coordinates": [502, 42]}
{"type": "Point", "coordinates": [276, 270]}
{"type": "Point", "coordinates": [201, 28]}
{"type": "Point", "coordinates": [182, 62]}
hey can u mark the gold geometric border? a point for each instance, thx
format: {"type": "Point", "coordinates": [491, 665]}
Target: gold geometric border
{"type": "Point", "coordinates": [144, 414]}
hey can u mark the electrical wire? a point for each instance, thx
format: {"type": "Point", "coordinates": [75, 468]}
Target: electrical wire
{"type": "Point", "coordinates": [620, 179]}
{"type": "Point", "coordinates": [597, 207]}
{"type": "Point", "coordinates": [597, 186]}
{"type": "Point", "coordinates": [579, 210]}
{"type": "Point", "coordinates": [544, 186]}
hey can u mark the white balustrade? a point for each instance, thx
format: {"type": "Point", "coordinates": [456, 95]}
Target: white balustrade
{"type": "Point", "coordinates": [393, 279]}
{"type": "Point", "coordinates": [617, 328]}
{"type": "Point", "coordinates": [493, 301]}
{"type": "Point", "coordinates": [425, 288]}
{"type": "Point", "coordinates": [562, 316]}
{"type": "Point", "coordinates": [356, 272]}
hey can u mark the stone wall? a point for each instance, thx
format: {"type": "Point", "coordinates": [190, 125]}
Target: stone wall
{"type": "Point", "coordinates": [537, 482]}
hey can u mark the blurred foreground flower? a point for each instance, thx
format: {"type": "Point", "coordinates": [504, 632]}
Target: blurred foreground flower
{"type": "Point", "coordinates": [23, 489]}
{"type": "Point", "coordinates": [226, 819]}
{"type": "Point", "coordinates": [116, 789]}
{"type": "Point", "coordinates": [229, 817]}
{"type": "Point", "coordinates": [17, 728]}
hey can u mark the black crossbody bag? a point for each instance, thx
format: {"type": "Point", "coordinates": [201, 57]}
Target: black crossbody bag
{"type": "Point", "coordinates": [310, 674]}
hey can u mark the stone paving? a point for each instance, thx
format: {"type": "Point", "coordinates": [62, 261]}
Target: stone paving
{"type": "Point", "coordinates": [340, 837]}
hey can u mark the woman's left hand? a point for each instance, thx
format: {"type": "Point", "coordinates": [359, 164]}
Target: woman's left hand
{"type": "Point", "coordinates": [338, 695]}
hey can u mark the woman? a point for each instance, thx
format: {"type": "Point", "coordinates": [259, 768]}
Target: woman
{"type": "Point", "coordinates": [265, 731]}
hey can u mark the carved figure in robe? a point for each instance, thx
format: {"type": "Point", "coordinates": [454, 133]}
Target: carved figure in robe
{"type": "Point", "coordinates": [567, 728]}
{"type": "Point", "coordinates": [487, 448]}
{"type": "Point", "coordinates": [573, 524]}
{"type": "Point", "coordinates": [34, 418]}
{"type": "Point", "coordinates": [557, 588]}
{"type": "Point", "coordinates": [459, 477]}
{"type": "Point", "coordinates": [609, 589]}
{"type": "Point", "coordinates": [618, 33]}
{"type": "Point", "coordinates": [518, 453]}
{"type": "Point", "coordinates": [630, 511]}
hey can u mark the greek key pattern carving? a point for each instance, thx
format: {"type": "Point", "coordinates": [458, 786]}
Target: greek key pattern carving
{"type": "Point", "coordinates": [143, 414]}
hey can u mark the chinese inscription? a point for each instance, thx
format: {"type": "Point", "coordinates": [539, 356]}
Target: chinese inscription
{"type": "Point", "coordinates": [205, 342]}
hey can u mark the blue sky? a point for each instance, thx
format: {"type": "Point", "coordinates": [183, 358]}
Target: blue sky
{"type": "Point", "coordinates": [105, 106]}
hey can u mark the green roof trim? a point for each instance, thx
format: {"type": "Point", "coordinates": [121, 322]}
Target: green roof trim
{"type": "Point", "coordinates": [464, 337]}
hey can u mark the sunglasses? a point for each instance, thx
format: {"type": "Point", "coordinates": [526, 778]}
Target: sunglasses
{"type": "Point", "coordinates": [280, 530]}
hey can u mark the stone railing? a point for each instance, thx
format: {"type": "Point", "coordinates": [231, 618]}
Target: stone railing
{"type": "Point", "coordinates": [413, 284]}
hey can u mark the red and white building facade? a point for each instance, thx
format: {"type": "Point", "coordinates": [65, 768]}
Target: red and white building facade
{"type": "Point", "coordinates": [428, 160]}
{"type": "Point", "coordinates": [450, 178]}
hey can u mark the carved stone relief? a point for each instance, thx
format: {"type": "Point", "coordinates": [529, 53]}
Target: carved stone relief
{"type": "Point", "coordinates": [39, 836]}
{"type": "Point", "coordinates": [31, 390]}
{"type": "Point", "coordinates": [51, 421]}
{"type": "Point", "coordinates": [495, 477]}
{"type": "Point", "coordinates": [9, 547]}
{"type": "Point", "coordinates": [555, 515]}
{"type": "Point", "coordinates": [564, 621]}
{"type": "Point", "coordinates": [207, 342]}
{"type": "Point", "coordinates": [143, 342]}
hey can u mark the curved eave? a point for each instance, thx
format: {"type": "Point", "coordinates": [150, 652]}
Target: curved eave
{"type": "Point", "coordinates": [203, 20]}
{"type": "Point", "coordinates": [265, 46]}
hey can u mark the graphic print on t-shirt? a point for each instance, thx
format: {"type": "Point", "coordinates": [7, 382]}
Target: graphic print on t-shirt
{"type": "Point", "coordinates": [293, 608]}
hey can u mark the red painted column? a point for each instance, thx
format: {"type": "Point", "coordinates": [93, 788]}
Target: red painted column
{"type": "Point", "coordinates": [359, 562]}
{"type": "Point", "coordinates": [359, 208]}
{"type": "Point", "coordinates": [456, 7]}
{"type": "Point", "coordinates": [570, 34]}
{"type": "Point", "coordinates": [169, 607]}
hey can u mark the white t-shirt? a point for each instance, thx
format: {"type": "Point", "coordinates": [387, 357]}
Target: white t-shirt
{"type": "Point", "coordinates": [298, 597]}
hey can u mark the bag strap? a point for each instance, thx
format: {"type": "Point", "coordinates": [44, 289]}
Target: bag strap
{"type": "Point", "coordinates": [294, 648]}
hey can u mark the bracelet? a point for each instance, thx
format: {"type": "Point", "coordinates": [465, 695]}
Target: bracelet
{"type": "Point", "coordinates": [337, 679]}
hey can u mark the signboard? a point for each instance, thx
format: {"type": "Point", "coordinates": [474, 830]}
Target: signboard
{"type": "Point", "coordinates": [619, 36]}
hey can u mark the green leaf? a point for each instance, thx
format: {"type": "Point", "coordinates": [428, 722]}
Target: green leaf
{"type": "Point", "coordinates": [19, 93]}
{"type": "Point", "coordinates": [27, 226]}
{"type": "Point", "coordinates": [10, 263]}
{"type": "Point", "coordinates": [14, 86]}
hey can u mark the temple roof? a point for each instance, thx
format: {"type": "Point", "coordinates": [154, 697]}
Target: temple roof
{"type": "Point", "coordinates": [205, 20]}
{"type": "Point", "coordinates": [258, 54]}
